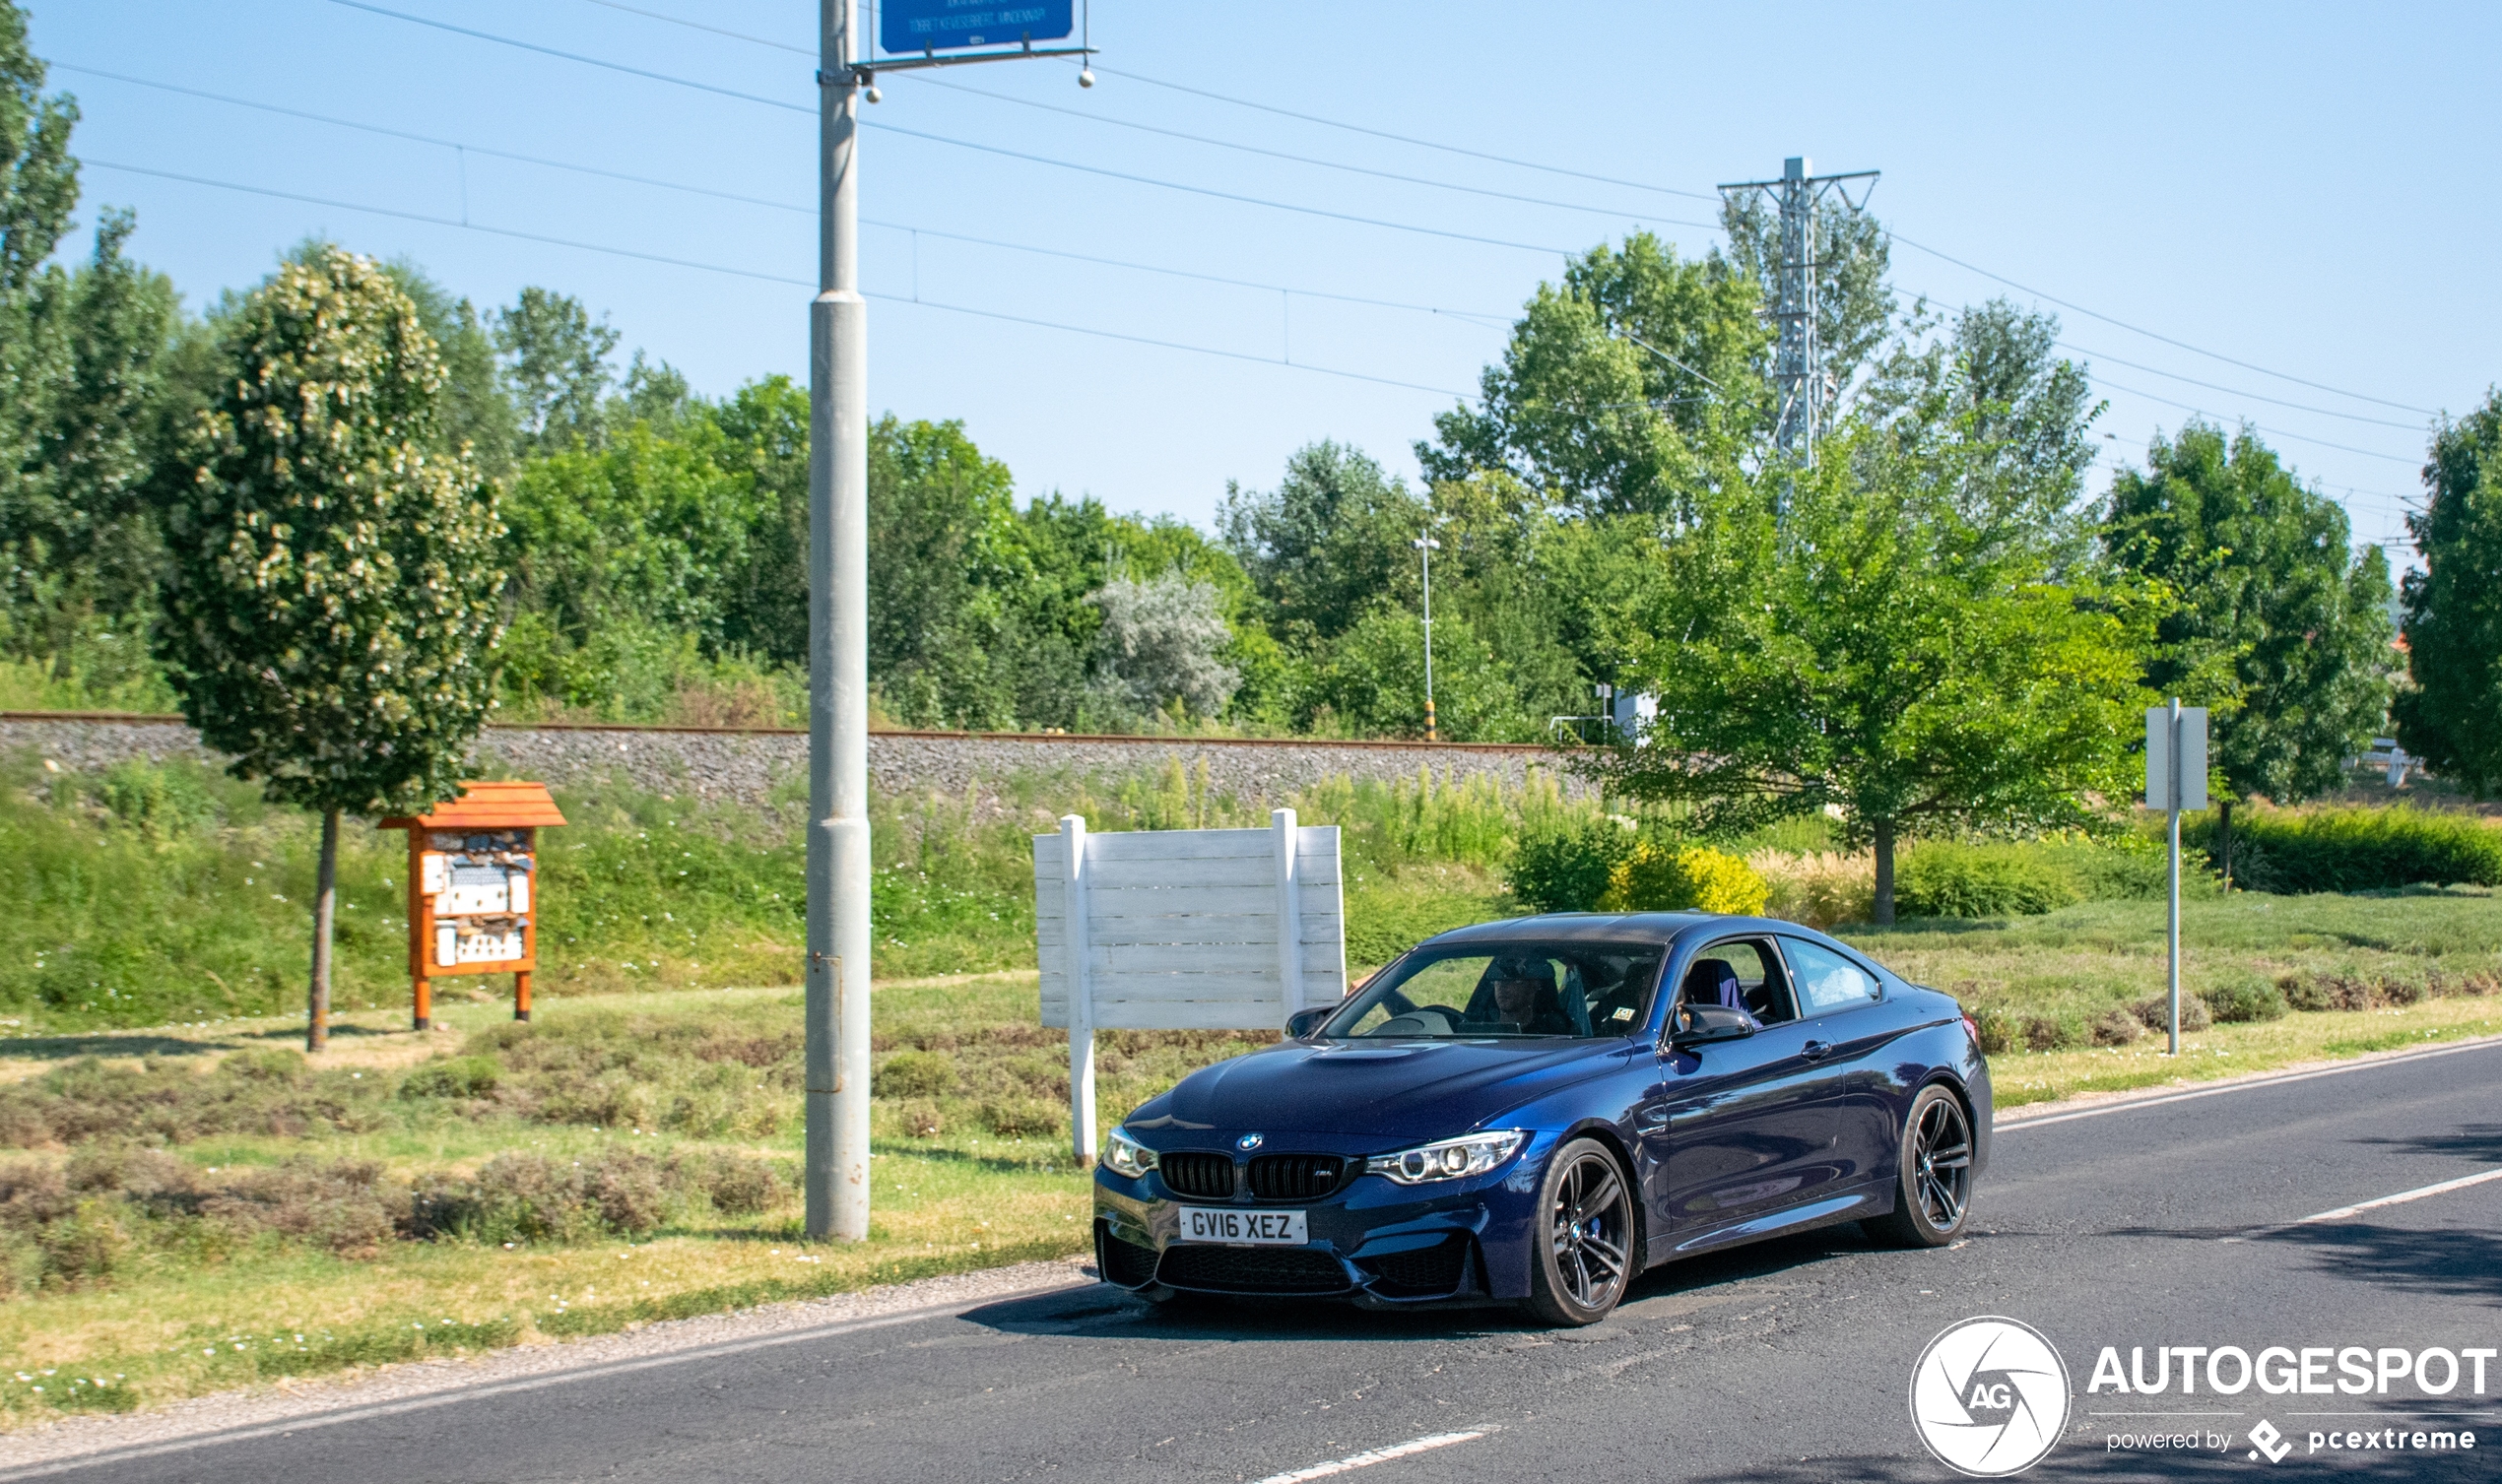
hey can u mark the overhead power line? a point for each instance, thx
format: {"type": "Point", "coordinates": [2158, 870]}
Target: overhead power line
{"type": "Point", "coordinates": [927, 81]}
{"type": "Point", "coordinates": [783, 206]}
{"type": "Point", "coordinates": [2237, 392]}
{"type": "Point", "coordinates": [770, 278]}
{"type": "Point", "coordinates": [449, 144]}
{"type": "Point", "coordinates": [2273, 433]}
{"type": "Point", "coordinates": [1944, 257]}
{"type": "Point", "coordinates": [1201, 190]}
{"type": "Point", "coordinates": [964, 144]}
{"type": "Point", "coordinates": [2246, 366]}
{"type": "Point", "coordinates": [1239, 102]}
{"type": "Point", "coordinates": [576, 56]}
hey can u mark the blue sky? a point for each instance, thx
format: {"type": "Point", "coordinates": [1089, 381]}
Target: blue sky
{"type": "Point", "coordinates": [2298, 188]}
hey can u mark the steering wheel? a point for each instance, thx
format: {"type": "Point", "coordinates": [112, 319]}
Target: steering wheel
{"type": "Point", "coordinates": [1422, 1022]}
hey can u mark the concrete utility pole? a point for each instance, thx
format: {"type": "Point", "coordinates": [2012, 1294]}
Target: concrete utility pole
{"type": "Point", "coordinates": [1425, 546]}
{"type": "Point", "coordinates": [838, 942]}
{"type": "Point", "coordinates": [1795, 372]}
{"type": "Point", "coordinates": [836, 1013]}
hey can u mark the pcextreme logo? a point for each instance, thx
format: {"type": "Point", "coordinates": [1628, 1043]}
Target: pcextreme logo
{"type": "Point", "coordinates": [1989, 1396]}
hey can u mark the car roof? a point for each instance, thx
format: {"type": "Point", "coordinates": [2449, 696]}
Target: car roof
{"type": "Point", "coordinates": [1660, 928]}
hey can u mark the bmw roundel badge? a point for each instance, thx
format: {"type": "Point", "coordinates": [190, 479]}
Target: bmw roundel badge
{"type": "Point", "coordinates": [1247, 1142]}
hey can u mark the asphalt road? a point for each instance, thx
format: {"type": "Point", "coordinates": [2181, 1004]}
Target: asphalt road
{"type": "Point", "coordinates": [2147, 1224]}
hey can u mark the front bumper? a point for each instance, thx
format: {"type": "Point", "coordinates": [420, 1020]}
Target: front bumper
{"type": "Point", "coordinates": [1375, 1242]}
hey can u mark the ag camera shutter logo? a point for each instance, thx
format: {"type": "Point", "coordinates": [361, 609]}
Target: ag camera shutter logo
{"type": "Point", "coordinates": [1989, 1396]}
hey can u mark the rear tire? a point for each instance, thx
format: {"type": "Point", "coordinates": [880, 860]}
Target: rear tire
{"type": "Point", "coordinates": [1583, 1240]}
{"type": "Point", "coordinates": [1933, 1174]}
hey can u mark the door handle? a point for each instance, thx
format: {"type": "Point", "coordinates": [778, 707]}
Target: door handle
{"type": "Point", "coordinates": [1816, 1050]}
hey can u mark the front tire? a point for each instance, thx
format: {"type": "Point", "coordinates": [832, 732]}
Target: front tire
{"type": "Point", "coordinates": [1933, 1178]}
{"type": "Point", "coordinates": [1583, 1237]}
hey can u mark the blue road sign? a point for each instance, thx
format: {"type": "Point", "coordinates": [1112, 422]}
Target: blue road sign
{"type": "Point", "coordinates": [910, 25]}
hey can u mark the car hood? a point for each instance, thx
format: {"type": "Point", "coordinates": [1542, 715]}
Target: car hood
{"type": "Point", "coordinates": [1383, 1093]}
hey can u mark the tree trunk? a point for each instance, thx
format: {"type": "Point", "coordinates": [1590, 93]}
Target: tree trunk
{"type": "Point", "coordinates": [2225, 840]}
{"type": "Point", "coordinates": [1884, 829]}
{"type": "Point", "coordinates": [325, 904]}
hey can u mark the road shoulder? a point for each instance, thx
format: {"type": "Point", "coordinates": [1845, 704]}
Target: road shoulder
{"type": "Point", "coordinates": [200, 1418]}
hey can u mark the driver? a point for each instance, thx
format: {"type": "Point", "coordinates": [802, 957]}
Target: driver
{"type": "Point", "coordinates": [1530, 1005]}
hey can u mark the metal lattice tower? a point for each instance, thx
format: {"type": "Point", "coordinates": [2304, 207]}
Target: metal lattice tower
{"type": "Point", "coordinates": [1795, 370]}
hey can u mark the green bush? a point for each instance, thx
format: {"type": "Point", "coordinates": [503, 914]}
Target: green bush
{"type": "Point", "coordinates": [914, 1075]}
{"type": "Point", "coordinates": [1563, 862]}
{"type": "Point", "coordinates": [1023, 1116]}
{"type": "Point", "coordinates": [1941, 878]}
{"type": "Point", "coordinates": [452, 1078]}
{"type": "Point", "coordinates": [2355, 849]}
{"type": "Point", "coordinates": [2244, 996]}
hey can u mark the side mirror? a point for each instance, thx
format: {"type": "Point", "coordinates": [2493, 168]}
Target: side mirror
{"type": "Point", "coordinates": [1703, 1024]}
{"type": "Point", "coordinates": [1302, 1023]}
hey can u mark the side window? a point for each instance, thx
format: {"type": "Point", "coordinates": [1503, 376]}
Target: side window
{"type": "Point", "coordinates": [1826, 979]}
{"type": "Point", "coordinates": [1754, 967]}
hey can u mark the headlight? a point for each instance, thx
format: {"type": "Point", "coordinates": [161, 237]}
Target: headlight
{"type": "Point", "coordinates": [1126, 1155]}
{"type": "Point", "coordinates": [1450, 1159]}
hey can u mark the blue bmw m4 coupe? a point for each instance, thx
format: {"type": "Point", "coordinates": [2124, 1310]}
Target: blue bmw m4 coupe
{"type": "Point", "coordinates": [1534, 1110]}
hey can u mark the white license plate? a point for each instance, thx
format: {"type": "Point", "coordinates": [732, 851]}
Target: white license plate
{"type": "Point", "coordinates": [1199, 1223]}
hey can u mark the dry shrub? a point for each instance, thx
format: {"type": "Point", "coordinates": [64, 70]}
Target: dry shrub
{"type": "Point", "coordinates": [2117, 1027]}
{"type": "Point", "coordinates": [1998, 1029]}
{"type": "Point", "coordinates": [2317, 989]}
{"type": "Point", "coordinates": [2049, 1033]}
{"type": "Point", "coordinates": [921, 1119]}
{"type": "Point", "coordinates": [739, 1184]}
{"type": "Point", "coordinates": [251, 1092]}
{"type": "Point", "coordinates": [530, 1198]}
{"type": "Point", "coordinates": [1023, 1116]}
{"type": "Point", "coordinates": [914, 1075]}
{"type": "Point", "coordinates": [342, 1205]}
{"type": "Point", "coordinates": [146, 1173]}
{"type": "Point", "coordinates": [1817, 888]}
{"type": "Point", "coordinates": [2155, 1012]}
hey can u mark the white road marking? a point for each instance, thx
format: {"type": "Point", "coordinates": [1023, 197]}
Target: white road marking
{"type": "Point", "coordinates": [2402, 1197]}
{"type": "Point", "coordinates": [2134, 1104]}
{"type": "Point", "coordinates": [2343, 1212]}
{"type": "Point", "coordinates": [1376, 1456]}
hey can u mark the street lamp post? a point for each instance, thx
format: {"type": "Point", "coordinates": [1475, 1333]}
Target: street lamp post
{"type": "Point", "coordinates": [1425, 546]}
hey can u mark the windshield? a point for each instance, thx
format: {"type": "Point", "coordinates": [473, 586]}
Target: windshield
{"type": "Point", "coordinates": [1526, 989]}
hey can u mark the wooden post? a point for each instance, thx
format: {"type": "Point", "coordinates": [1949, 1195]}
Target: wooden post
{"type": "Point", "coordinates": [521, 995]}
{"type": "Point", "coordinates": [1073, 912]}
{"type": "Point", "coordinates": [1289, 912]}
{"type": "Point", "coordinates": [421, 997]}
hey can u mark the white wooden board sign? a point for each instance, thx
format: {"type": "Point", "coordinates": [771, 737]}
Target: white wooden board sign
{"type": "Point", "coordinates": [1184, 930]}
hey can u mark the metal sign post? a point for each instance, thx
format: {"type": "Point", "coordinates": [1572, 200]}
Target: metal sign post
{"type": "Point", "coordinates": [839, 936]}
{"type": "Point", "coordinates": [2175, 780]}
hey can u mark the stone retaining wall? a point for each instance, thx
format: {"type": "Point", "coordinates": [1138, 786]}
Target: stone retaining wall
{"type": "Point", "coordinates": [752, 766]}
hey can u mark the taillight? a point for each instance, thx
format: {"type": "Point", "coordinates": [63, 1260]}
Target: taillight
{"type": "Point", "coordinates": [1972, 1028]}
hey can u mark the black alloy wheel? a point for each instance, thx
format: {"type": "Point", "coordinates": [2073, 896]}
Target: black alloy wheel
{"type": "Point", "coordinates": [1585, 1237]}
{"type": "Point", "coordinates": [1933, 1194]}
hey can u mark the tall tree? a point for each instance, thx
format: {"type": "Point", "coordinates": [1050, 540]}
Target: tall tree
{"type": "Point", "coordinates": [2451, 714]}
{"type": "Point", "coordinates": [2281, 628]}
{"type": "Point", "coordinates": [1997, 368]}
{"type": "Point", "coordinates": [81, 355]}
{"type": "Point", "coordinates": [331, 594]}
{"type": "Point", "coordinates": [1882, 648]}
{"type": "Point", "coordinates": [1328, 542]}
{"type": "Point", "coordinates": [476, 408]}
{"type": "Point", "coordinates": [555, 368]}
{"type": "Point", "coordinates": [1622, 389]}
